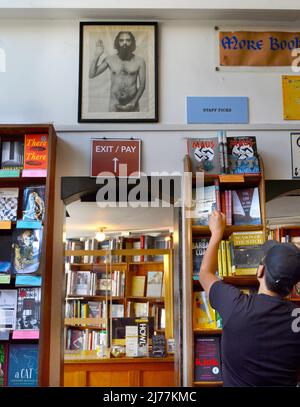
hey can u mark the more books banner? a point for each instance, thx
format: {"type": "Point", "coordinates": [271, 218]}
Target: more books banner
{"type": "Point", "coordinates": [257, 48]}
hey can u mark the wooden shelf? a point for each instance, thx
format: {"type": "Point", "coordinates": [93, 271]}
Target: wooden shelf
{"type": "Point", "coordinates": [208, 332]}
{"type": "Point", "coordinates": [205, 231]}
{"type": "Point", "coordinates": [20, 181]}
{"type": "Point", "coordinates": [231, 180]}
{"type": "Point", "coordinates": [208, 384]}
{"type": "Point", "coordinates": [138, 263]}
{"type": "Point", "coordinates": [92, 265]}
{"type": "Point", "coordinates": [92, 297]}
{"type": "Point", "coordinates": [150, 299]}
{"type": "Point", "coordinates": [241, 280]}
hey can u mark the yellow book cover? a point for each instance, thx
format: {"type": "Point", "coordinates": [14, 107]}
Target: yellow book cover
{"type": "Point", "coordinates": [228, 257]}
{"type": "Point", "coordinates": [224, 258]}
{"type": "Point", "coordinates": [138, 286]}
{"type": "Point", "coordinates": [247, 238]}
{"type": "Point", "coordinates": [220, 271]}
{"type": "Point", "coordinates": [251, 271]}
{"type": "Point", "coordinates": [203, 314]}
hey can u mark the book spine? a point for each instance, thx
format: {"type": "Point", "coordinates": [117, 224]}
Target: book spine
{"type": "Point", "coordinates": [218, 196]}
{"type": "Point", "coordinates": [220, 262]}
{"type": "Point", "coordinates": [224, 259]}
{"type": "Point", "coordinates": [226, 167]}
{"type": "Point", "coordinates": [228, 256]}
{"type": "Point", "coordinates": [221, 151]}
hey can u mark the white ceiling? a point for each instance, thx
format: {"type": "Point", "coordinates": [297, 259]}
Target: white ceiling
{"type": "Point", "coordinates": [86, 218]}
{"type": "Point", "coordinates": [284, 210]}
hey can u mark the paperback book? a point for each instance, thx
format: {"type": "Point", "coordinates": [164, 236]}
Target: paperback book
{"type": "Point", "coordinates": [12, 155]}
{"type": "Point", "coordinates": [242, 155]}
{"type": "Point", "coordinates": [34, 203]}
{"type": "Point", "coordinates": [8, 309]}
{"type": "Point", "coordinates": [246, 207]}
{"type": "Point", "coordinates": [26, 250]}
{"type": "Point", "coordinates": [199, 247]}
{"type": "Point", "coordinates": [5, 253]}
{"type": "Point", "coordinates": [3, 364]}
{"type": "Point", "coordinates": [8, 203]}
{"type": "Point", "coordinates": [28, 310]}
{"type": "Point", "coordinates": [36, 152]}
{"type": "Point", "coordinates": [23, 365]}
{"type": "Point", "coordinates": [204, 155]}
{"type": "Point", "coordinates": [207, 366]}
{"type": "Point", "coordinates": [206, 203]}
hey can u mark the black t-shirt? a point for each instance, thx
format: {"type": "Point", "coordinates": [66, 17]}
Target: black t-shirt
{"type": "Point", "coordinates": [259, 346]}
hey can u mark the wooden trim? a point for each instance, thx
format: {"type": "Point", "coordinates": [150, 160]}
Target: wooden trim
{"type": "Point", "coordinates": [124, 252]}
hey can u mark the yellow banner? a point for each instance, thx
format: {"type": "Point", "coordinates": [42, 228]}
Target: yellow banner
{"type": "Point", "coordinates": [257, 48]}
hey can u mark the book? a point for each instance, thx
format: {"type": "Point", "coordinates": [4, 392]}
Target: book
{"type": "Point", "coordinates": [205, 198]}
{"type": "Point", "coordinates": [203, 314]}
{"type": "Point", "coordinates": [204, 155]}
{"type": "Point", "coordinates": [131, 340]}
{"type": "Point", "coordinates": [246, 252]}
{"type": "Point", "coordinates": [143, 337]}
{"type": "Point", "coordinates": [23, 365]}
{"type": "Point", "coordinates": [26, 250]}
{"type": "Point", "coordinates": [3, 364]}
{"type": "Point", "coordinates": [117, 310]}
{"type": "Point", "coordinates": [8, 309]}
{"type": "Point", "coordinates": [119, 324]}
{"type": "Point", "coordinates": [138, 286]}
{"type": "Point", "coordinates": [12, 155]}
{"type": "Point", "coordinates": [5, 253]}
{"type": "Point", "coordinates": [9, 203]}
{"type": "Point", "coordinates": [199, 247]}
{"type": "Point", "coordinates": [246, 207]}
{"type": "Point", "coordinates": [82, 283]}
{"type": "Point", "coordinates": [242, 155]}
{"type": "Point", "coordinates": [154, 283]}
{"type": "Point", "coordinates": [34, 203]}
{"type": "Point", "coordinates": [28, 308]}
{"type": "Point", "coordinates": [207, 365]}
{"type": "Point", "coordinates": [36, 152]}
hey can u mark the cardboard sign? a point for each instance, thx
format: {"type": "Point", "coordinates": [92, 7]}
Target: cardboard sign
{"type": "Point", "coordinates": [295, 147]}
{"type": "Point", "coordinates": [257, 48]}
{"type": "Point", "coordinates": [107, 155]}
{"type": "Point", "coordinates": [291, 97]}
{"type": "Point", "coordinates": [231, 109]}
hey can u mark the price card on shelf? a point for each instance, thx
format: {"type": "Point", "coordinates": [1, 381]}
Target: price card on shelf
{"type": "Point", "coordinates": [32, 281]}
{"type": "Point", "coordinates": [34, 173]}
{"type": "Point", "coordinates": [295, 147]}
{"type": "Point", "coordinates": [29, 224]}
{"type": "Point", "coordinates": [4, 278]}
{"type": "Point", "coordinates": [9, 173]}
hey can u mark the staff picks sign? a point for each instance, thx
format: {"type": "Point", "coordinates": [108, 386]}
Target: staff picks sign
{"type": "Point", "coordinates": [257, 48]}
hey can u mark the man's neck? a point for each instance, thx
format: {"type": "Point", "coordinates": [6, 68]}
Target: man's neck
{"type": "Point", "coordinates": [263, 290]}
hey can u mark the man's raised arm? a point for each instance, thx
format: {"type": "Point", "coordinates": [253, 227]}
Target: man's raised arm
{"type": "Point", "coordinates": [207, 275]}
{"type": "Point", "coordinates": [94, 68]}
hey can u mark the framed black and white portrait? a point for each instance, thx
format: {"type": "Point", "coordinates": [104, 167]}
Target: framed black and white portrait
{"type": "Point", "coordinates": [118, 72]}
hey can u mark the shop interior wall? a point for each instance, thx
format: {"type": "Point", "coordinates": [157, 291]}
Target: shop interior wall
{"type": "Point", "coordinates": [41, 85]}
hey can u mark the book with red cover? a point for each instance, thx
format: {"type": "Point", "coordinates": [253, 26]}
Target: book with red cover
{"type": "Point", "coordinates": [207, 366]}
{"type": "Point", "coordinates": [36, 152]}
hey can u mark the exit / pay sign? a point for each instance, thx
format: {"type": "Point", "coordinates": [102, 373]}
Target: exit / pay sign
{"type": "Point", "coordinates": [120, 157]}
{"type": "Point", "coordinates": [295, 145]}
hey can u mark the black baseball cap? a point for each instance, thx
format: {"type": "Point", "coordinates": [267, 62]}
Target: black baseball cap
{"type": "Point", "coordinates": [282, 262]}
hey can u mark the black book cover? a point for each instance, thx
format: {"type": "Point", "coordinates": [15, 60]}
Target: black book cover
{"type": "Point", "coordinates": [28, 308]}
{"type": "Point", "coordinates": [207, 359]}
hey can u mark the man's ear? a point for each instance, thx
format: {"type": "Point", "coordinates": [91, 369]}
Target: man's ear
{"type": "Point", "coordinates": [260, 271]}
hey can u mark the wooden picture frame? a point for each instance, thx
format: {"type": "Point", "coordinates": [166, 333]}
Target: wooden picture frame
{"type": "Point", "coordinates": [118, 79]}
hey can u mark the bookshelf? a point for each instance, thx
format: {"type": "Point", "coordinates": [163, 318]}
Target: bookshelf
{"type": "Point", "coordinates": [19, 339]}
{"type": "Point", "coordinates": [84, 360]}
{"type": "Point", "coordinates": [226, 182]}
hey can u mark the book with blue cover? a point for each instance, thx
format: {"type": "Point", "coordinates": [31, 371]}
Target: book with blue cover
{"type": "Point", "coordinates": [34, 203]}
{"type": "Point", "coordinates": [242, 155]}
{"type": "Point", "coordinates": [5, 253]}
{"type": "Point", "coordinates": [23, 365]}
{"type": "Point", "coordinates": [26, 250]}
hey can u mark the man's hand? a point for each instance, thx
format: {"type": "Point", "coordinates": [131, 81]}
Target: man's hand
{"type": "Point", "coordinates": [99, 48]}
{"type": "Point", "coordinates": [126, 108]}
{"type": "Point", "coordinates": [217, 225]}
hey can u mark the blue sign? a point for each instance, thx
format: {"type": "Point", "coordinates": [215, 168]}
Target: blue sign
{"type": "Point", "coordinates": [29, 224]}
{"type": "Point", "coordinates": [229, 109]}
{"type": "Point", "coordinates": [33, 281]}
